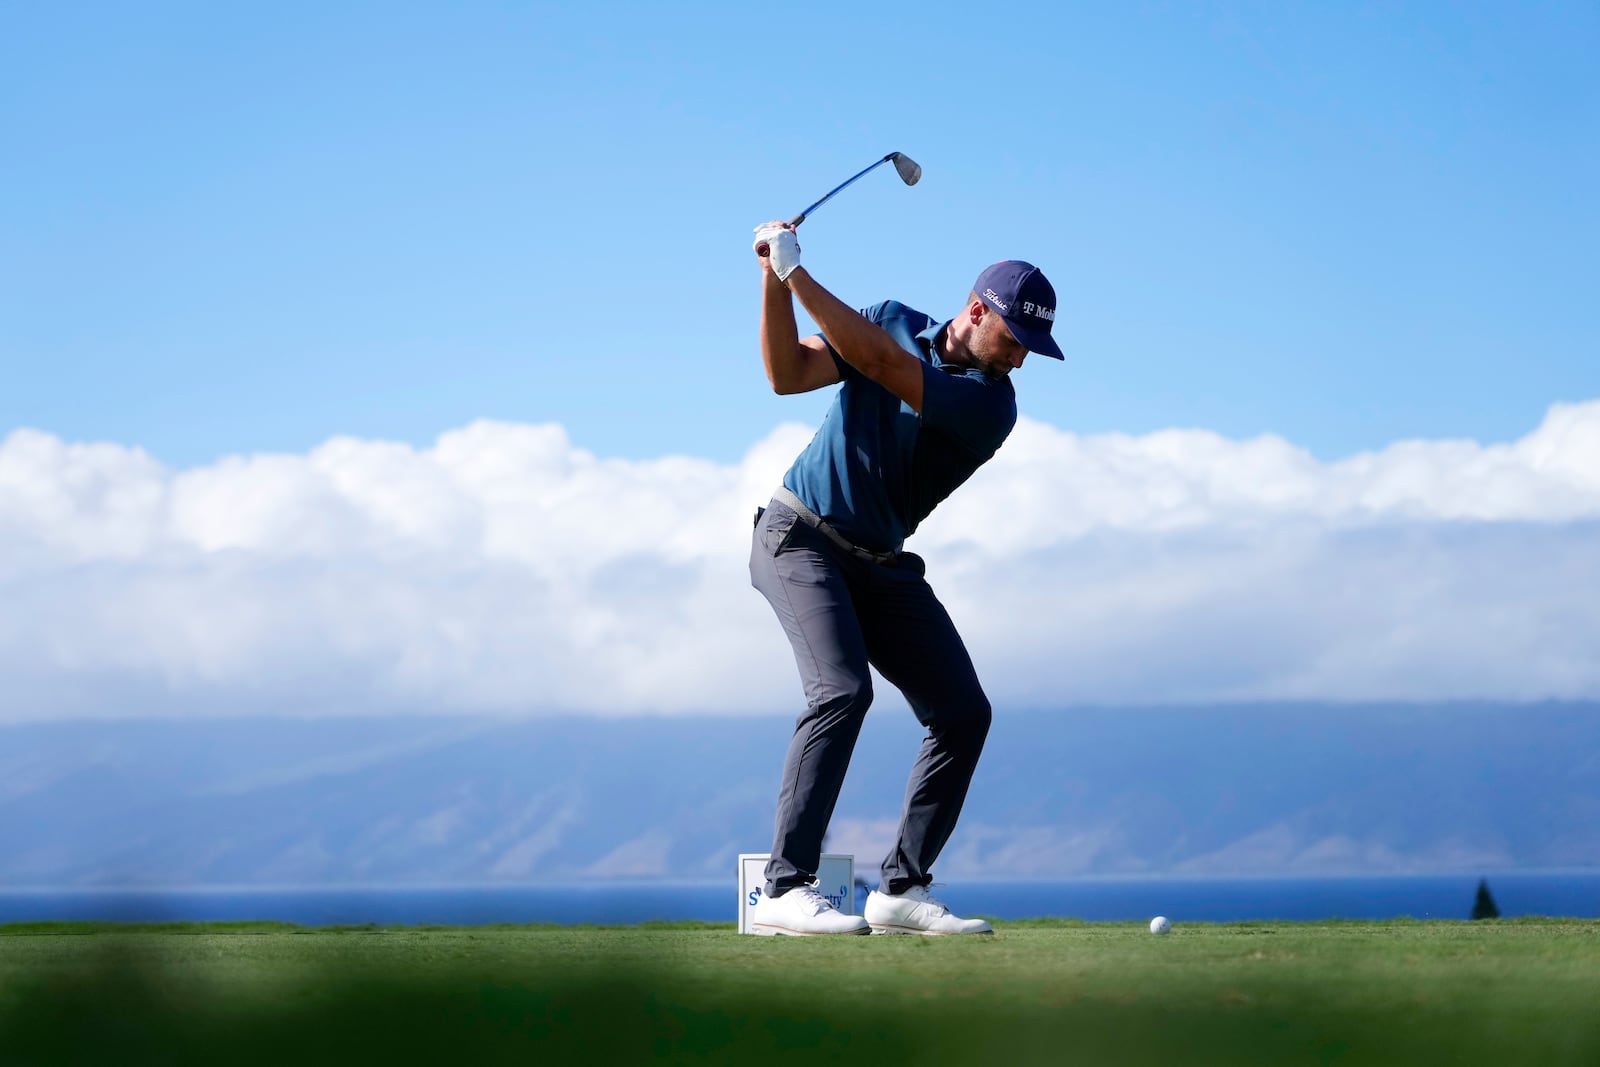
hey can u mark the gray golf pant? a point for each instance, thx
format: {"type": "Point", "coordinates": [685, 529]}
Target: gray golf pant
{"type": "Point", "coordinates": [843, 613]}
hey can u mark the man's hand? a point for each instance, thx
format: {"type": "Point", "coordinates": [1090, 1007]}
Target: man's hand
{"type": "Point", "coordinates": [776, 243]}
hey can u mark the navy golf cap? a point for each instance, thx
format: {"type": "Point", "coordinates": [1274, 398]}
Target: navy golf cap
{"type": "Point", "coordinates": [1026, 301]}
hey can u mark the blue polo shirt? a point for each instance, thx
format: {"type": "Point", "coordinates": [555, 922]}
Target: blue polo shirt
{"type": "Point", "coordinates": [876, 468]}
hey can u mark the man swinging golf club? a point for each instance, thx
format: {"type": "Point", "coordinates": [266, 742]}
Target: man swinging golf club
{"type": "Point", "coordinates": [923, 404]}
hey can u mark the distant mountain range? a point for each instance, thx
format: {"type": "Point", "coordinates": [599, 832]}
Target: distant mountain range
{"type": "Point", "coordinates": [1258, 790]}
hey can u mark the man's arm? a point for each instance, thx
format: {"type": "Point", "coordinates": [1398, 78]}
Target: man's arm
{"type": "Point", "coordinates": [859, 342]}
{"type": "Point", "coordinates": [794, 364]}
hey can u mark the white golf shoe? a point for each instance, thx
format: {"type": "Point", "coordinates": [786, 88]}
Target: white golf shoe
{"type": "Point", "coordinates": [917, 911]}
{"type": "Point", "coordinates": [803, 912]}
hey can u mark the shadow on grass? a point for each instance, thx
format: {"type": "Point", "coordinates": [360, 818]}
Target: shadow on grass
{"type": "Point", "coordinates": [117, 1008]}
{"type": "Point", "coordinates": [122, 1009]}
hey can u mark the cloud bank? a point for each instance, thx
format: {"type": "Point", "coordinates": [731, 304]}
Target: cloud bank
{"type": "Point", "coordinates": [503, 569]}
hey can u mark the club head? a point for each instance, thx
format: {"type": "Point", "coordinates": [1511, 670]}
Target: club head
{"type": "Point", "coordinates": [908, 170]}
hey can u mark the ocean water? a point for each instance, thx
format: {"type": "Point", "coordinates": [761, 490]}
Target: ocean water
{"type": "Point", "coordinates": [1573, 893]}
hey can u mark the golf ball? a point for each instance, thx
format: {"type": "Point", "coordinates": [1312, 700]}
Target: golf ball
{"type": "Point", "coordinates": [1160, 925]}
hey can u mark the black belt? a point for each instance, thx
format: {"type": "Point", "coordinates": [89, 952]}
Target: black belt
{"type": "Point", "coordinates": [819, 524]}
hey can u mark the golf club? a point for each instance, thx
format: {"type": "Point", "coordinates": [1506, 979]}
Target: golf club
{"type": "Point", "coordinates": [909, 173]}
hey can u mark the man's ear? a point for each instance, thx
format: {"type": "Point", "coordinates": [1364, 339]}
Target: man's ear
{"type": "Point", "coordinates": [976, 311]}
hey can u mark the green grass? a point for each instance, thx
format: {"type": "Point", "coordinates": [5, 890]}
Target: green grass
{"type": "Point", "coordinates": [1518, 991]}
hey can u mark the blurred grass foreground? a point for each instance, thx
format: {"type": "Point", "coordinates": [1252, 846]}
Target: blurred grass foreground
{"type": "Point", "coordinates": [1496, 992]}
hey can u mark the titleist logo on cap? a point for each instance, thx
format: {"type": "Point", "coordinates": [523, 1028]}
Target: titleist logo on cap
{"type": "Point", "coordinates": [995, 297]}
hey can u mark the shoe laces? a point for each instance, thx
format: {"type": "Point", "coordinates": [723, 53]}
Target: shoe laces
{"type": "Point", "coordinates": [925, 895]}
{"type": "Point", "coordinates": [812, 898]}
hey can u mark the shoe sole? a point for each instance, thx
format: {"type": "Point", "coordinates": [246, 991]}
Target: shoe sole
{"type": "Point", "coordinates": [768, 930]}
{"type": "Point", "coordinates": [887, 929]}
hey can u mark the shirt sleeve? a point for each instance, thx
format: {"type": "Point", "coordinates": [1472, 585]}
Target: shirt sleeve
{"type": "Point", "coordinates": [978, 412]}
{"type": "Point", "coordinates": [846, 371]}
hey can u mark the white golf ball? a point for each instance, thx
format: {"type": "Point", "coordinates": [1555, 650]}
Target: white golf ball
{"type": "Point", "coordinates": [1160, 925]}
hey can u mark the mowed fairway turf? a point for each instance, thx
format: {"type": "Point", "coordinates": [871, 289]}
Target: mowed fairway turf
{"type": "Point", "coordinates": [1499, 992]}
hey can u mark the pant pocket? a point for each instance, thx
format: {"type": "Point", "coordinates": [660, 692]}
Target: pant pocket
{"type": "Point", "coordinates": [911, 563]}
{"type": "Point", "coordinates": [775, 529]}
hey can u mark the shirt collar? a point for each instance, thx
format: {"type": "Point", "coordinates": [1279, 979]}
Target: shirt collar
{"type": "Point", "coordinates": [930, 337]}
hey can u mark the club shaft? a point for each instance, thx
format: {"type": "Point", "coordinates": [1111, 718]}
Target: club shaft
{"type": "Point", "coordinates": [761, 249]}
{"type": "Point", "coordinates": [798, 219]}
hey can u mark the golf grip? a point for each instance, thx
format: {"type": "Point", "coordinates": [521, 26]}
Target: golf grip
{"type": "Point", "coordinates": [762, 249]}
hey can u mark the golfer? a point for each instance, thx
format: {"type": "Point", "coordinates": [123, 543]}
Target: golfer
{"type": "Point", "coordinates": [922, 405]}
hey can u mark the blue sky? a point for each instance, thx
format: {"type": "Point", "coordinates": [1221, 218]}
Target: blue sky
{"type": "Point", "coordinates": [242, 229]}
{"type": "Point", "coordinates": [383, 357]}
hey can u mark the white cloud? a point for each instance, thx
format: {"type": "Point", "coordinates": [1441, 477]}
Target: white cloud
{"type": "Point", "coordinates": [505, 569]}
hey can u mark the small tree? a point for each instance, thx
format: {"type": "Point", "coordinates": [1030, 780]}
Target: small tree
{"type": "Point", "coordinates": [1484, 906]}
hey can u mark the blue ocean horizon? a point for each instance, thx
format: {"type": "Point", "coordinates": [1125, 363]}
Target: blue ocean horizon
{"type": "Point", "coordinates": [1564, 893]}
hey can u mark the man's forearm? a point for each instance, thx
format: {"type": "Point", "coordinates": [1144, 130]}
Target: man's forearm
{"type": "Point", "coordinates": [780, 335]}
{"type": "Point", "coordinates": [859, 341]}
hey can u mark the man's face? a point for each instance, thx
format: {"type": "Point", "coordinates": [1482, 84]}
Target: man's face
{"type": "Point", "coordinates": [996, 352]}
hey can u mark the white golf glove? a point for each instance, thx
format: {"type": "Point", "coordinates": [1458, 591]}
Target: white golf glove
{"type": "Point", "coordinates": [782, 249]}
